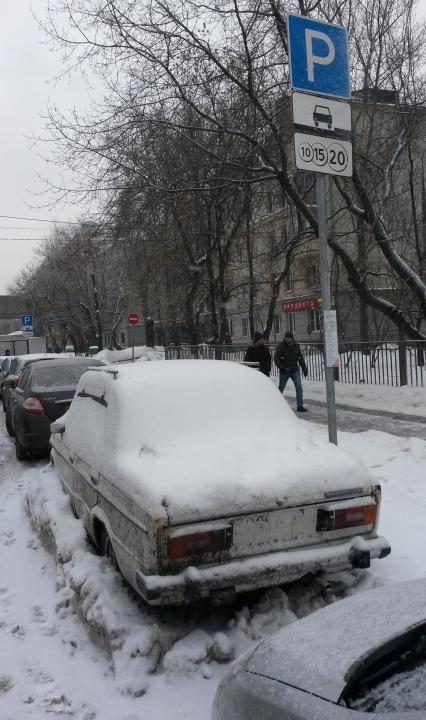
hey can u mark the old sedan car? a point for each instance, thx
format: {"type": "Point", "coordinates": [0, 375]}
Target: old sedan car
{"type": "Point", "coordinates": [364, 654]}
{"type": "Point", "coordinates": [198, 480]}
{"type": "Point", "coordinates": [43, 393]}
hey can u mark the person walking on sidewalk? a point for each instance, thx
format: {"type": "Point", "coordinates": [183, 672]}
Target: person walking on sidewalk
{"type": "Point", "coordinates": [288, 357]}
{"type": "Point", "coordinates": [260, 353]}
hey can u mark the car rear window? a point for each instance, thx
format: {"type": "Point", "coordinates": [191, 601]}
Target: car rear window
{"type": "Point", "coordinates": [59, 376]}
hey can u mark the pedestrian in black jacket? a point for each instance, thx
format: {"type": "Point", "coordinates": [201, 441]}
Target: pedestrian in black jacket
{"type": "Point", "coordinates": [288, 357]}
{"type": "Point", "coordinates": [260, 353]}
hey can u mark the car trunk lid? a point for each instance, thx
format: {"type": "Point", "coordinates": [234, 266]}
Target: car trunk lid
{"type": "Point", "coordinates": [57, 403]}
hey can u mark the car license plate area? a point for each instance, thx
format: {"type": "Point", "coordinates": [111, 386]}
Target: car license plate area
{"type": "Point", "coordinates": [276, 530]}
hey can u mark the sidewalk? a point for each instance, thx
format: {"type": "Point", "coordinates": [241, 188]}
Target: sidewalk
{"type": "Point", "coordinates": [369, 411]}
{"type": "Point", "coordinates": [404, 403]}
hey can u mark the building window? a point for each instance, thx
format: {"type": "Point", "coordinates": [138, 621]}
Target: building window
{"type": "Point", "coordinates": [244, 327]}
{"type": "Point", "coordinates": [291, 322]}
{"type": "Point", "coordinates": [232, 327]}
{"type": "Point", "coordinates": [289, 281]}
{"type": "Point", "coordinates": [314, 275]}
{"type": "Point", "coordinates": [315, 320]}
{"type": "Point", "coordinates": [277, 324]}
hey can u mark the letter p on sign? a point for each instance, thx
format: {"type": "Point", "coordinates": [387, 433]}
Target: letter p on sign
{"type": "Point", "coordinates": [313, 59]}
{"type": "Point", "coordinates": [318, 57]}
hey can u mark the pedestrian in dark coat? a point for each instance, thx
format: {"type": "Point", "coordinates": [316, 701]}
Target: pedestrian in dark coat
{"type": "Point", "coordinates": [260, 353]}
{"type": "Point", "coordinates": [288, 358]}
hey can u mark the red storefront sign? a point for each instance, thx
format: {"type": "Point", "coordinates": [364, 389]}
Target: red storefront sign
{"type": "Point", "coordinates": [298, 305]}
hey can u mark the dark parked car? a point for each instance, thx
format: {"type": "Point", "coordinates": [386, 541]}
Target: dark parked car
{"type": "Point", "coordinates": [6, 362]}
{"type": "Point", "coordinates": [43, 393]}
{"type": "Point", "coordinates": [362, 657]}
{"type": "Point", "coordinates": [16, 367]}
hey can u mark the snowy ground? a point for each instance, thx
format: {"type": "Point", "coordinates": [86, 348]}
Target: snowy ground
{"type": "Point", "coordinates": [50, 668]}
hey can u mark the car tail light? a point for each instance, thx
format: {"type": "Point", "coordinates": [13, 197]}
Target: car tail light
{"type": "Point", "coordinates": [33, 406]}
{"type": "Point", "coordinates": [198, 543]}
{"type": "Point", "coordinates": [341, 518]}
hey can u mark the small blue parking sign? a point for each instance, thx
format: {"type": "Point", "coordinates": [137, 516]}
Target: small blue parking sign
{"type": "Point", "coordinates": [27, 321]}
{"type": "Point", "coordinates": [318, 57]}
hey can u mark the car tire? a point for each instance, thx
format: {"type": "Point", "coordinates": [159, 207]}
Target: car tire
{"type": "Point", "coordinates": [21, 452]}
{"type": "Point", "coordinates": [106, 547]}
{"type": "Point", "coordinates": [4, 406]}
{"type": "Point", "coordinates": [9, 427]}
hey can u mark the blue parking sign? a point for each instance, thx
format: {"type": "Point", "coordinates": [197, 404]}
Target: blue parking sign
{"type": "Point", "coordinates": [27, 321]}
{"type": "Point", "coordinates": [318, 57]}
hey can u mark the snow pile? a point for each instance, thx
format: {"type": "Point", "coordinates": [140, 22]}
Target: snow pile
{"type": "Point", "coordinates": [191, 436]}
{"type": "Point", "coordinates": [142, 352]}
{"type": "Point", "coordinates": [90, 585]}
{"type": "Point", "coordinates": [145, 642]}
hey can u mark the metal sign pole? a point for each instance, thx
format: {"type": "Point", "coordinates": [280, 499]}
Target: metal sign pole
{"type": "Point", "coordinates": [133, 343]}
{"type": "Point", "coordinates": [326, 300]}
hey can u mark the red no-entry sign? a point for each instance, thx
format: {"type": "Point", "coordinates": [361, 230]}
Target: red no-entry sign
{"type": "Point", "coordinates": [133, 318]}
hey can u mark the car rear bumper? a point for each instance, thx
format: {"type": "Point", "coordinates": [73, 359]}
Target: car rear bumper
{"type": "Point", "coordinates": [262, 571]}
{"type": "Point", "coordinates": [36, 433]}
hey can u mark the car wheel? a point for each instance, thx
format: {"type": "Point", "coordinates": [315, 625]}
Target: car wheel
{"type": "Point", "coordinates": [106, 548]}
{"type": "Point", "coordinates": [9, 427]}
{"type": "Point", "coordinates": [21, 452]}
{"type": "Point", "coordinates": [4, 406]}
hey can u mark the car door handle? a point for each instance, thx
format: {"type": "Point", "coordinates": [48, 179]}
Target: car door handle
{"type": "Point", "coordinates": [94, 480]}
{"type": "Point", "coordinates": [72, 460]}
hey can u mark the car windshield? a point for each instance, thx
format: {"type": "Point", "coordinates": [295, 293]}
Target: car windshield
{"type": "Point", "coordinates": [60, 376]}
{"type": "Point", "coordinates": [395, 682]}
{"type": "Point", "coordinates": [403, 692]}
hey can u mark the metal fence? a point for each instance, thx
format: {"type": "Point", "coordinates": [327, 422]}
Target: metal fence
{"type": "Point", "coordinates": [381, 363]}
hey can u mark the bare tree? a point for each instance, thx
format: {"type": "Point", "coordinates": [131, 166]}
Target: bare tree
{"type": "Point", "coordinates": [180, 65]}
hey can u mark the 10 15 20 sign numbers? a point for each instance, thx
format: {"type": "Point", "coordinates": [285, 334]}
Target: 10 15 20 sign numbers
{"type": "Point", "coordinates": [335, 155]}
{"type": "Point", "coordinates": [325, 155]}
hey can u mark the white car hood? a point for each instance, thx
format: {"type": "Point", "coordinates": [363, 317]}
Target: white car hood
{"type": "Point", "coordinates": [320, 653]}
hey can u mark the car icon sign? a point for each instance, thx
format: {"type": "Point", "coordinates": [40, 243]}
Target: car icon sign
{"type": "Point", "coordinates": [322, 116]}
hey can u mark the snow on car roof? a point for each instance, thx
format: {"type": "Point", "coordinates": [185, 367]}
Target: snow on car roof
{"type": "Point", "coordinates": [190, 432]}
{"type": "Point", "coordinates": [320, 653]}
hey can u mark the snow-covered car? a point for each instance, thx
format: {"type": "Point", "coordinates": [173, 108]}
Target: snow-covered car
{"type": "Point", "coordinates": [197, 478]}
{"type": "Point", "coordinates": [364, 654]}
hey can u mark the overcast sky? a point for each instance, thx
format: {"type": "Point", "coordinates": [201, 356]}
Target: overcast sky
{"type": "Point", "coordinates": [27, 83]}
